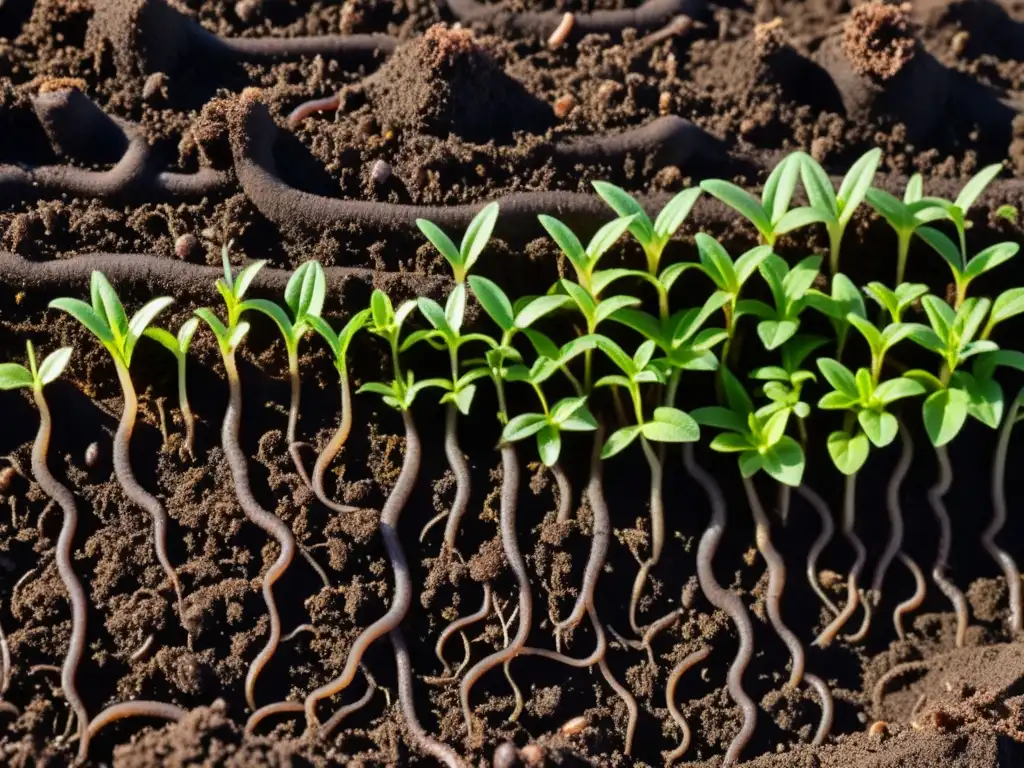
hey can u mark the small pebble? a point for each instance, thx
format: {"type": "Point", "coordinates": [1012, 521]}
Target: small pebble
{"type": "Point", "coordinates": [92, 455]}
{"type": "Point", "coordinates": [156, 86]}
{"type": "Point", "coordinates": [246, 10]}
{"type": "Point", "coordinates": [381, 172]}
{"type": "Point", "coordinates": [186, 246]}
{"type": "Point", "coordinates": [6, 479]}
{"type": "Point", "coordinates": [532, 756]}
{"type": "Point", "coordinates": [564, 105]}
{"type": "Point", "coordinates": [879, 729]}
{"type": "Point", "coordinates": [506, 756]}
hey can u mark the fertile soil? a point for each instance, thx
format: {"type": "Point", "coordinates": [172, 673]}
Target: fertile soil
{"type": "Point", "coordinates": [429, 114]}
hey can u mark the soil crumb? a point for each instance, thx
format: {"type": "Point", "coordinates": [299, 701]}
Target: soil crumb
{"type": "Point", "coordinates": [878, 40]}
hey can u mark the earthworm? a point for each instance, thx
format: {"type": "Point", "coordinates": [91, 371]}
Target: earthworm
{"type": "Point", "coordinates": [510, 545]}
{"type": "Point", "coordinates": [460, 624]}
{"type": "Point", "coordinates": [724, 600]}
{"type": "Point", "coordinates": [269, 710]}
{"type": "Point", "coordinates": [132, 175]}
{"type": "Point", "coordinates": [334, 446]}
{"type": "Point", "coordinates": [253, 134]}
{"type": "Point", "coordinates": [892, 502]}
{"type": "Point", "coordinates": [134, 491]}
{"type": "Point", "coordinates": [293, 416]}
{"type": "Point", "coordinates": [268, 521]}
{"type": "Point", "coordinates": [599, 542]}
{"type": "Point", "coordinates": [776, 582]}
{"type": "Point", "coordinates": [137, 708]}
{"type": "Point", "coordinates": [827, 709]}
{"type": "Point", "coordinates": [460, 468]}
{"type": "Point", "coordinates": [827, 528]}
{"type": "Point", "coordinates": [564, 493]}
{"type": "Point", "coordinates": [914, 601]}
{"type": "Point", "coordinates": [670, 700]}
{"type": "Point", "coordinates": [168, 40]}
{"type": "Point", "coordinates": [878, 692]}
{"type": "Point", "coordinates": [420, 739]}
{"type": "Point", "coordinates": [130, 269]}
{"type": "Point", "coordinates": [865, 623]}
{"type": "Point", "coordinates": [311, 107]}
{"type": "Point", "coordinates": [163, 421]}
{"type": "Point", "coordinates": [651, 15]}
{"type": "Point", "coordinates": [948, 588]}
{"type": "Point", "coordinates": [402, 597]}
{"type": "Point", "coordinates": [186, 411]}
{"type": "Point", "coordinates": [37, 668]}
{"type": "Point", "coordinates": [988, 536]}
{"type": "Point", "coordinates": [336, 719]}
{"type": "Point", "coordinates": [852, 593]}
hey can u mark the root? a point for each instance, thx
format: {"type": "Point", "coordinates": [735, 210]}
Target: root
{"type": "Point", "coordinates": [852, 592]}
{"type": "Point", "coordinates": [334, 446]}
{"type": "Point", "coordinates": [827, 529]}
{"type": "Point", "coordinates": [948, 588]}
{"type": "Point", "coordinates": [670, 699]}
{"type": "Point", "coordinates": [827, 709]}
{"type": "Point", "coordinates": [914, 601]}
{"type": "Point", "coordinates": [892, 502]}
{"type": "Point", "coordinates": [343, 712]}
{"type": "Point", "coordinates": [278, 708]}
{"type": "Point", "coordinates": [155, 709]}
{"type": "Point", "coordinates": [878, 692]}
{"type": "Point", "coordinates": [988, 537]}
{"type": "Point", "coordinates": [726, 601]}
{"type": "Point", "coordinates": [460, 468]}
{"type": "Point", "coordinates": [143, 649]}
{"type": "Point", "coordinates": [297, 631]}
{"type": "Point", "coordinates": [311, 107]}
{"type": "Point", "coordinates": [458, 626]}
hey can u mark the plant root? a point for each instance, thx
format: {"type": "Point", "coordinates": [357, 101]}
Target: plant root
{"type": "Point", "coordinates": [269, 710]}
{"type": "Point", "coordinates": [143, 649]}
{"type": "Point", "coordinates": [651, 15]}
{"type": "Point", "coordinates": [564, 486]}
{"type": "Point", "coordinates": [267, 521]}
{"type": "Point", "coordinates": [516, 693]}
{"type": "Point", "coordinates": [460, 468]}
{"type": "Point", "coordinates": [311, 107]}
{"type": "Point", "coordinates": [988, 537]}
{"type": "Point", "coordinates": [333, 448]}
{"type": "Point", "coordinates": [421, 740]}
{"type": "Point", "coordinates": [458, 626]}
{"type": "Point", "coordinates": [947, 587]}
{"type": "Point", "coordinates": [402, 597]}
{"type": "Point", "coordinates": [827, 709]}
{"type": "Point", "coordinates": [297, 631]}
{"type": "Point", "coordinates": [76, 595]}
{"type": "Point", "coordinates": [865, 625]}
{"type": "Point", "coordinates": [332, 723]}
{"type": "Point", "coordinates": [293, 418]}
{"type": "Point", "coordinates": [726, 601]}
{"type": "Point", "coordinates": [510, 545]}
{"type": "Point", "coordinates": [852, 592]}
{"type": "Point", "coordinates": [138, 708]}
{"type": "Point", "coordinates": [139, 495]}
{"type": "Point", "coordinates": [914, 601]}
{"type": "Point", "coordinates": [670, 700]}
{"type": "Point", "coordinates": [878, 692]}
{"type": "Point", "coordinates": [892, 503]}
{"type": "Point", "coordinates": [827, 529]}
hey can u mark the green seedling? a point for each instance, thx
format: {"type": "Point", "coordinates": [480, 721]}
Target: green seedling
{"type": "Point", "coordinates": [957, 211]}
{"type": "Point", "coordinates": [653, 237]}
{"type": "Point", "coordinates": [966, 270]}
{"type": "Point", "coordinates": [1008, 212]}
{"type": "Point", "coordinates": [779, 323]}
{"type": "Point", "coordinates": [34, 377]}
{"type": "Point", "coordinates": [304, 295]}
{"type": "Point", "coordinates": [477, 235]}
{"type": "Point", "coordinates": [570, 414]}
{"type": "Point", "coordinates": [897, 302]}
{"type": "Point", "coordinates": [770, 215]}
{"type": "Point", "coordinates": [232, 289]}
{"type": "Point", "coordinates": [584, 261]}
{"type": "Point", "coordinates": [953, 337]}
{"type": "Point", "coordinates": [386, 322]}
{"type": "Point", "coordinates": [106, 319]}
{"type": "Point", "coordinates": [844, 300]}
{"type": "Point", "coordinates": [904, 216]}
{"type": "Point", "coordinates": [339, 343]}
{"type": "Point", "coordinates": [729, 278]}
{"type": "Point", "coordinates": [783, 384]}
{"type": "Point", "coordinates": [835, 209]}
{"type": "Point", "coordinates": [179, 346]}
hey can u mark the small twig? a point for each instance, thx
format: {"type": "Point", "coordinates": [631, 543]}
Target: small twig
{"type": "Point", "coordinates": [44, 668]}
{"type": "Point", "coordinates": [42, 517]}
{"type": "Point", "coordinates": [508, 673]}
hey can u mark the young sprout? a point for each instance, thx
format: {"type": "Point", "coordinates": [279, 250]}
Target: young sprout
{"type": "Point", "coordinates": [835, 209]}
{"type": "Point", "coordinates": [789, 287]}
{"type": "Point", "coordinates": [477, 235]}
{"type": "Point", "coordinates": [653, 237]}
{"type": "Point", "coordinates": [966, 270]}
{"type": "Point", "coordinates": [178, 346]}
{"type": "Point", "coordinates": [904, 216]}
{"type": "Point", "coordinates": [229, 336]}
{"type": "Point", "coordinates": [14, 376]}
{"type": "Point", "coordinates": [729, 278]}
{"type": "Point", "coordinates": [107, 320]}
{"type": "Point", "coordinates": [784, 383]}
{"type": "Point", "coordinates": [771, 214]}
{"type": "Point", "coordinates": [339, 343]}
{"type": "Point", "coordinates": [1008, 212]}
{"type": "Point", "coordinates": [386, 322]}
{"type": "Point", "coordinates": [844, 300]}
{"type": "Point", "coordinates": [761, 443]}
{"type": "Point", "coordinates": [446, 333]}
{"type": "Point", "coordinates": [957, 210]}
{"type": "Point", "coordinates": [304, 295]}
{"type": "Point", "coordinates": [953, 338]}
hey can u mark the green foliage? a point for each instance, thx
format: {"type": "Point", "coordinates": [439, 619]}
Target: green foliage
{"type": "Point", "coordinates": [584, 260]}
{"type": "Point", "coordinates": [232, 289]}
{"type": "Point", "coordinates": [789, 287]}
{"type": "Point", "coordinates": [16, 376]}
{"type": "Point", "coordinates": [475, 239]}
{"type": "Point", "coordinates": [106, 318]}
{"type": "Point", "coordinates": [904, 216]}
{"type": "Point", "coordinates": [844, 300]}
{"type": "Point", "coordinates": [304, 295]}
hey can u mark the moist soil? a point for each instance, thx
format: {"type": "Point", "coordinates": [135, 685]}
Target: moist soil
{"type": "Point", "coordinates": [451, 118]}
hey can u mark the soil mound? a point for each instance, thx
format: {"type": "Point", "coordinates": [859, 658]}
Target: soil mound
{"type": "Point", "coordinates": [878, 40]}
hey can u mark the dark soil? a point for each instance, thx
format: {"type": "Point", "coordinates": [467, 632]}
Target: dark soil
{"type": "Point", "coordinates": [460, 118]}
